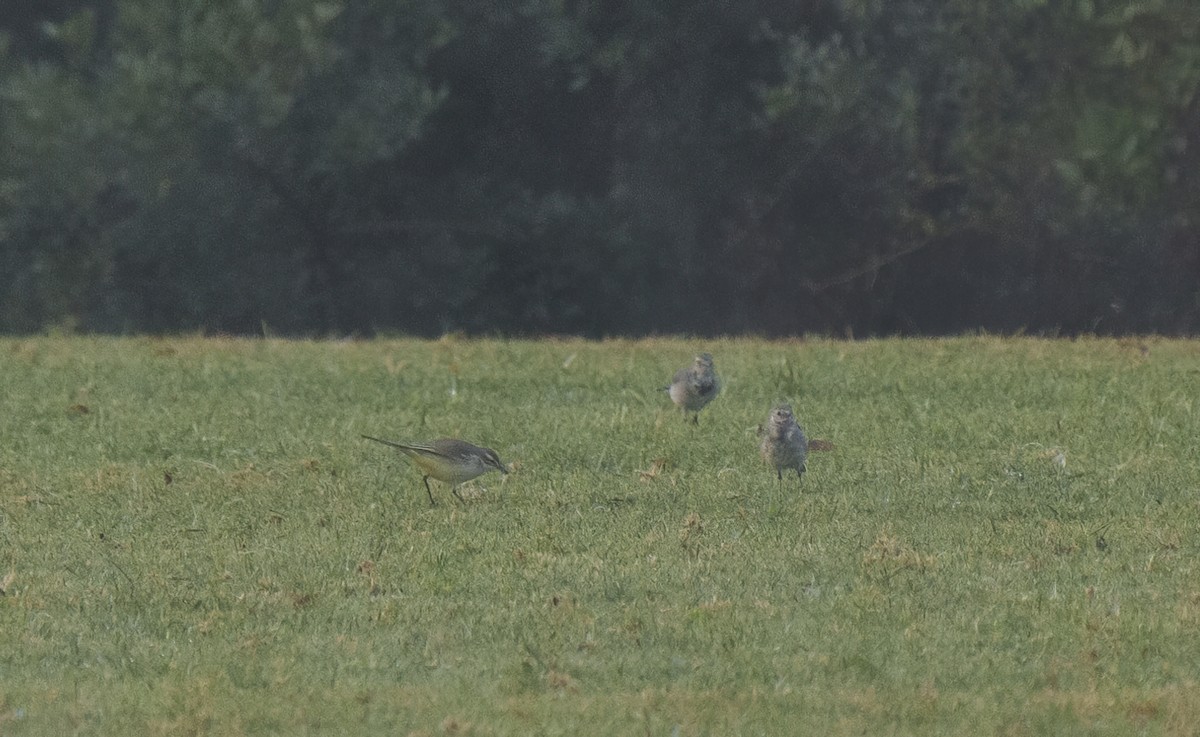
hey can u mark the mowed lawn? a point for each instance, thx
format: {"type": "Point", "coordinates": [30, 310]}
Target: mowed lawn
{"type": "Point", "coordinates": [194, 539]}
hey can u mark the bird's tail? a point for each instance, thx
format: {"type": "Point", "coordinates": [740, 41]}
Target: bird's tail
{"type": "Point", "coordinates": [386, 442]}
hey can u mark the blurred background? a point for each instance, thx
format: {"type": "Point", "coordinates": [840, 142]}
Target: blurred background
{"type": "Point", "coordinates": [602, 167]}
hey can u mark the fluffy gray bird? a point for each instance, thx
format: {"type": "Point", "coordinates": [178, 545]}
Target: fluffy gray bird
{"type": "Point", "coordinates": [695, 386]}
{"type": "Point", "coordinates": [783, 444]}
{"type": "Point", "coordinates": [448, 460]}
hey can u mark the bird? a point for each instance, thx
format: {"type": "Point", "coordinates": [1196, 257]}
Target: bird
{"type": "Point", "coordinates": [783, 444]}
{"type": "Point", "coordinates": [692, 387]}
{"type": "Point", "coordinates": [449, 460]}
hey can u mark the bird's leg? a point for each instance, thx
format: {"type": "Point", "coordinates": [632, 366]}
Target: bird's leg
{"type": "Point", "coordinates": [429, 491]}
{"type": "Point", "coordinates": [454, 490]}
{"type": "Point", "coordinates": [696, 419]}
{"type": "Point", "coordinates": [779, 473]}
{"type": "Point", "coordinates": [800, 471]}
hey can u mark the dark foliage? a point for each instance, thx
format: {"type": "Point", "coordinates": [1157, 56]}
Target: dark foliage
{"type": "Point", "coordinates": [599, 168]}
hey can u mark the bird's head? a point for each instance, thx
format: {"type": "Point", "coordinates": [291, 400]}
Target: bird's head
{"type": "Point", "coordinates": [491, 460]}
{"type": "Point", "coordinates": [782, 415]}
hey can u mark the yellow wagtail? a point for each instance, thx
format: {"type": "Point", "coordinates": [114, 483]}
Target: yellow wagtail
{"type": "Point", "coordinates": [448, 460]}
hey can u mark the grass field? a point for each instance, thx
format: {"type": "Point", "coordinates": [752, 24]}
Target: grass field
{"type": "Point", "coordinates": [195, 539]}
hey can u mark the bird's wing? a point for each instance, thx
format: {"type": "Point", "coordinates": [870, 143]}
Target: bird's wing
{"type": "Point", "coordinates": [431, 448]}
{"type": "Point", "coordinates": [451, 448]}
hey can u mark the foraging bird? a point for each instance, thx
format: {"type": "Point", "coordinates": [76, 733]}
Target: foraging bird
{"type": "Point", "coordinates": [783, 444]}
{"type": "Point", "coordinates": [448, 460]}
{"type": "Point", "coordinates": [695, 386]}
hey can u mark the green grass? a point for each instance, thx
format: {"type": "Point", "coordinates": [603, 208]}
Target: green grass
{"type": "Point", "coordinates": [194, 539]}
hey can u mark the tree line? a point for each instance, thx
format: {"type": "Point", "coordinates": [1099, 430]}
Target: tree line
{"type": "Point", "coordinates": [600, 167]}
